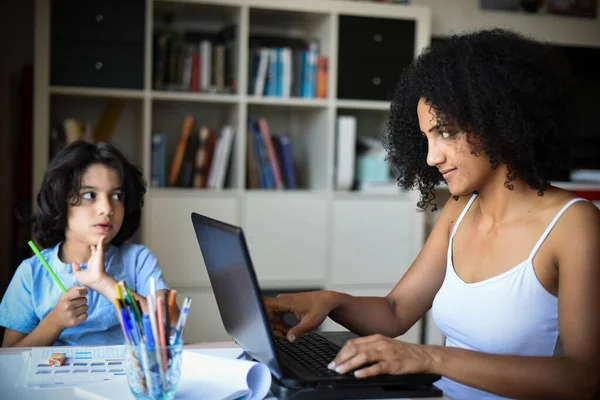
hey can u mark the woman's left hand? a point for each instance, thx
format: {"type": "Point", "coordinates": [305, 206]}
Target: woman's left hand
{"type": "Point", "coordinates": [95, 274]}
{"type": "Point", "coordinates": [382, 355]}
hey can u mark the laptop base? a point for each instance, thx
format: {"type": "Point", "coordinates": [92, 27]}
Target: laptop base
{"type": "Point", "coordinates": [353, 393]}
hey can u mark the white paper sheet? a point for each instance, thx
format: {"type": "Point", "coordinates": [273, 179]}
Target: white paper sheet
{"type": "Point", "coordinates": [203, 377]}
{"type": "Point", "coordinates": [83, 365]}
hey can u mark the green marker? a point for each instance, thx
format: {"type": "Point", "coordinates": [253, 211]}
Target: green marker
{"type": "Point", "coordinates": [48, 268]}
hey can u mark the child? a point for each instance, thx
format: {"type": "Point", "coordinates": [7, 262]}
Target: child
{"type": "Point", "coordinates": [89, 204]}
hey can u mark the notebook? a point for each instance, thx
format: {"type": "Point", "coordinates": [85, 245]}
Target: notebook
{"type": "Point", "coordinates": [239, 299]}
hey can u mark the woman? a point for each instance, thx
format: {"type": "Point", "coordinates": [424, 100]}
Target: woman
{"type": "Point", "coordinates": [511, 269]}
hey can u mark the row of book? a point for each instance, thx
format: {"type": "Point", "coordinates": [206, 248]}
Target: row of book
{"type": "Point", "coordinates": [201, 159]}
{"type": "Point", "coordinates": [288, 72]}
{"type": "Point", "coordinates": [270, 158]}
{"type": "Point", "coordinates": [195, 61]}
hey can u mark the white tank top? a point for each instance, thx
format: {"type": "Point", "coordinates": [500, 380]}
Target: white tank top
{"type": "Point", "coordinates": [511, 313]}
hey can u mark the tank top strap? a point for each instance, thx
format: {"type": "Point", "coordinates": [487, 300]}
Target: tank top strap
{"type": "Point", "coordinates": [462, 215]}
{"type": "Point", "coordinates": [551, 225]}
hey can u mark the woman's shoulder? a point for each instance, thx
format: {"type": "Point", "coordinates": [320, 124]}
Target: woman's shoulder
{"type": "Point", "coordinates": [572, 205]}
{"type": "Point", "coordinates": [576, 217]}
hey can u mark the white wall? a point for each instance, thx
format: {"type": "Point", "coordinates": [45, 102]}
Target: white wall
{"type": "Point", "coordinates": [456, 16]}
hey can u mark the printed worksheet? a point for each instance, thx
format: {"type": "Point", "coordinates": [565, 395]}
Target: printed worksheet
{"type": "Point", "coordinates": [82, 365]}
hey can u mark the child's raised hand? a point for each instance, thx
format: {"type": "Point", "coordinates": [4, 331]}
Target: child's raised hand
{"type": "Point", "coordinates": [71, 308]}
{"type": "Point", "coordinates": [94, 275]}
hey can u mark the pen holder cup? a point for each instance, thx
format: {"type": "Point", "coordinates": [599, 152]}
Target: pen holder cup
{"type": "Point", "coordinates": [153, 372]}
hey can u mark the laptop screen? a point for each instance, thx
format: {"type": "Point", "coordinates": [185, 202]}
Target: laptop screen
{"type": "Point", "coordinates": [235, 286]}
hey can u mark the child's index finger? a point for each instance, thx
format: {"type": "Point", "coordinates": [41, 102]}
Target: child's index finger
{"type": "Point", "coordinates": [100, 245]}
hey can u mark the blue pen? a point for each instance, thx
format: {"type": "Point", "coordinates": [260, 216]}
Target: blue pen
{"type": "Point", "coordinates": [134, 326]}
{"type": "Point", "coordinates": [146, 324]}
{"type": "Point", "coordinates": [149, 366]}
{"type": "Point", "coordinates": [182, 319]}
{"type": "Point", "coordinates": [127, 326]}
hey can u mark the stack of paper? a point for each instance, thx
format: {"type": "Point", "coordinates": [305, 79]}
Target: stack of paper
{"type": "Point", "coordinates": [83, 365]}
{"type": "Point", "coordinates": [203, 377]}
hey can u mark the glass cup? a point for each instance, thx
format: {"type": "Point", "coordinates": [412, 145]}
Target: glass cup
{"type": "Point", "coordinates": [153, 373]}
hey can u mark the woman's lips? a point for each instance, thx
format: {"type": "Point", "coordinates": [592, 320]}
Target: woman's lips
{"type": "Point", "coordinates": [448, 172]}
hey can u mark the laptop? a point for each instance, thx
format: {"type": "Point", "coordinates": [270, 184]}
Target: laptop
{"type": "Point", "coordinates": [300, 364]}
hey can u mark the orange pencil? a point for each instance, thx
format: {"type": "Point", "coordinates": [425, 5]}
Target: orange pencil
{"type": "Point", "coordinates": [160, 319]}
{"type": "Point", "coordinates": [171, 305]}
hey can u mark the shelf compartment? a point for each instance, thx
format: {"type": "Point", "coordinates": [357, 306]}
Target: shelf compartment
{"type": "Point", "coordinates": [281, 45]}
{"type": "Point", "coordinates": [307, 130]}
{"type": "Point", "coordinates": [196, 47]}
{"type": "Point", "coordinates": [127, 133]}
{"type": "Point", "coordinates": [168, 119]}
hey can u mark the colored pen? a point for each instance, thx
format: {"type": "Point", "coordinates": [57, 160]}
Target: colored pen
{"type": "Point", "coordinates": [135, 308]}
{"type": "Point", "coordinates": [171, 303]}
{"type": "Point", "coordinates": [153, 323]}
{"type": "Point", "coordinates": [162, 335]}
{"type": "Point", "coordinates": [48, 268]}
{"type": "Point", "coordinates": [148, 336]}
{"type": "Point", "coordinates": [118, 307]}
{"type": "Point", "coordinates": [127, 326]}
{"type": "Point", "coordinates": [182, 319]}
{"type": "Point", "coordinates": [149, 344]}
{"type": "Point", "coordinates": [153, 291]}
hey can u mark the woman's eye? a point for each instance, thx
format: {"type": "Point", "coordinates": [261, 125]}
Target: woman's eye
{"type": "Point", "coordinates": [117, 196]}
{"type": "Point", "coordinates": [88, 196]}
{"type": "Point", "coordinates": [446, 135]}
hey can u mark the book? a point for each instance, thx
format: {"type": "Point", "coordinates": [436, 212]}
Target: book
{"type": "Point", "coordinates": [218, 168]}
{"type": "Point", "coordinates": [266, 137]}
{"type": "Point", "coordinates": [159, 154]}
{"type": "Point", "coordinates": [203, 157]}
{"type": "Point", "coordinates": [345, 152]}
{"type": "Point", "coordinates": [187, 170]}
{"type": "Point", "coordinates": [287, 161]}
{"type": "Point", "coordinates": [186, 130]}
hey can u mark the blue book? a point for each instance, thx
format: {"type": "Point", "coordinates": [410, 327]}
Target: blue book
{"type": "Point", "coordinates": [309, 70]}
{"type": "Point", "coordinates": [287, 161]}
{"type": "Point", "coordinates": [267, 179]}
{"type": "Point", "coordinates": [159, 154]}
{"type": "Point", "coordinates": [279, 72]}
{"type": "Point", "coordinates": [271, 87]}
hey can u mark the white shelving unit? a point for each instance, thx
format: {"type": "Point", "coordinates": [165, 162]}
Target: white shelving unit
{"type": "Point", "coordinates": [311, 237]}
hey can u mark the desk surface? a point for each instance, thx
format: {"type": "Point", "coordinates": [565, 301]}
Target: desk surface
{"type": "Point", "coordinates": [11, 364]}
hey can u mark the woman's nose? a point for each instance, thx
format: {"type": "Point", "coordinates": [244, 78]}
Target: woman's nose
{"type": "Point", "coordinates": [435, 155]}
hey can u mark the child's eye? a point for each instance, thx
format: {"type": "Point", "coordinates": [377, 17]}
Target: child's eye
{"type": "Point", "coordinates": [88, 196]}
{"type": "Point", "coordinates": [117, 196]}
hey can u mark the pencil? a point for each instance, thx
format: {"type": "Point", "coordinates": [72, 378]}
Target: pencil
{"type": "Point", "coordinates": [48, 268]}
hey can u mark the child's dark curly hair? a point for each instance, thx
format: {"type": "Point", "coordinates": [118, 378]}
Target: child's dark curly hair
{"type": "Point", "coordinates": [507, 92]}
{"type": "Point", "coordinates": [62, 183]}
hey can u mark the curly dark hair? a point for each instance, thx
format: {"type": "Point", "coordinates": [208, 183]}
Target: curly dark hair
{"type": "Point", "coordinates": [507, 92]}
{"type": "Point", "coordinates": [62, 182]}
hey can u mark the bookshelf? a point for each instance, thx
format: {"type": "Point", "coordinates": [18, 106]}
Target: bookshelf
{"type": "Point", "coordinates": [312, 237]}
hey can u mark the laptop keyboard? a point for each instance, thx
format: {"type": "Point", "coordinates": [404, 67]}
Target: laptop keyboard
{"type": "Point", "coordinates": [311, 350]}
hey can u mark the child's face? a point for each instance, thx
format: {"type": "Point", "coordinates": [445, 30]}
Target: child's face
{"type": "Point", "coordinates": [101, 209]}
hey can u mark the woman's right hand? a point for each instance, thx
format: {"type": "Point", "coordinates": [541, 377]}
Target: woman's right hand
{"type": "Point", "coordinates": [71, 308]}
{"type": "Point", "coordinates": [309, 308]}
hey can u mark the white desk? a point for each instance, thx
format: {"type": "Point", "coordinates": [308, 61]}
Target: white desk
{"type": "Point", "coordinates": [11, 364]}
